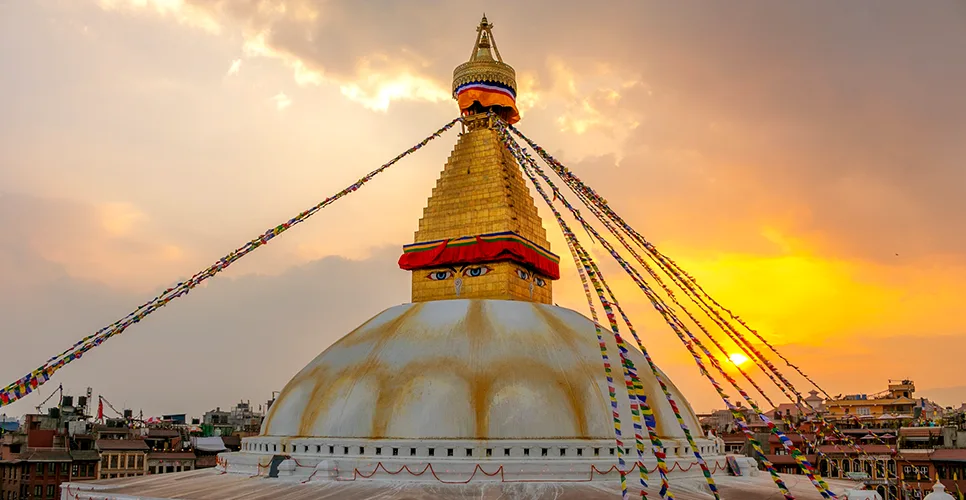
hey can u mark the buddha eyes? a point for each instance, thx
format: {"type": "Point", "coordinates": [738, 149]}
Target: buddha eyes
{"type": "Point", "coordinates": [524, 275]}
{"type": "Point", "coordinates": [476, 271]}
{"type": "Point", "coordinates": [469, 272]}
{"type": "Point", "coordinates": [440, 275]}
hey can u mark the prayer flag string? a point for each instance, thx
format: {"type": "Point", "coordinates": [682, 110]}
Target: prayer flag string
{"type": "Point", "coordinates": [692, 290]}
{"type": "Point", "coordinates": [630, 375]}
{"type": "Point", "coordinates": [566, 174]}
{"type": "Point", "coordinates": [30, 382]}
{"type": "Point", "coordinates": [690, 342]}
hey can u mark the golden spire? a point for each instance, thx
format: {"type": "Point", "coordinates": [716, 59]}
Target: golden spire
{"type": "Point", "coordinates": [480, 235]}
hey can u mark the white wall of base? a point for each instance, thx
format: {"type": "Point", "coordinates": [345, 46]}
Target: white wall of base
{"type": "Point", "coordinates": [458, 470]}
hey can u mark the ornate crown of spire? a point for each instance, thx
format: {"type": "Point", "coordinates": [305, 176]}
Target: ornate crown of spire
{"type": "Point", "coordinates": [484, 80]}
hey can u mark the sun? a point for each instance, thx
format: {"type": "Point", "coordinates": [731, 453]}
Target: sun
{"type": "Point", "coordinates": [738, 359]}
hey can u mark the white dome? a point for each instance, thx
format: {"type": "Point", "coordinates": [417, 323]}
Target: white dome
{"type": "Point", "coordinates": [466, 369]}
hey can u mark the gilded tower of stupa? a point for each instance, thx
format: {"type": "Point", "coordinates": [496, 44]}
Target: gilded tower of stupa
{"type": "Point", "coordinates": [480, 236]}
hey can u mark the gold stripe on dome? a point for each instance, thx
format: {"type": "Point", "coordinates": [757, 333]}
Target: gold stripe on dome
{"type": "Point", "coordinates": [481, 360]}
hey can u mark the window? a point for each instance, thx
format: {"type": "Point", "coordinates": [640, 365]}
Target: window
{"type": "Point", "coordinates": [469, 452]}
{"type": "Point", "coordinates": [40, 468]}
{"type": "Point", "coordinates": [563, 452]}
{"type": "Point", "coordinates": [140, 462]}
{"type": "Point", "coordinates": [412, 452]}
{"type": "Point", "coordinates": [130, 461]}
{"type": "Point", "coordinates": [50, 490]}
{"type": "Point", "coordinates": [378, 451]}
{"type": "Point", "coordinates": [506, 452]}
{"type": "Point", "coordinates": [38, 491]}
{"type": "Point", "coordinates": [449, 452]}
{"type": "Point", "coordinates": [395, 452]}
{"type": "Point", "coordinates": [74, 469]}
{"type": "Point", "coordinates": [543, 452]}
{"type": "Point", "coordinates": [318, 448]}
{"type": "Point", "coordinates": [113, 461]}
{"type": "Point", "coordinates": [580, 452]}
{"type": "Point", "coordinates": [596, 452]}
{"type": "Point", "coordinates": [863, 410]}
{"type": "Point", "coordinates": [331, 450]}
{"type": "Point", "coordinates": [526, 452]}
{"type": "Point", "coordinates": [432, 452]}
{"type": "Point", "coordinates": [489, 452]}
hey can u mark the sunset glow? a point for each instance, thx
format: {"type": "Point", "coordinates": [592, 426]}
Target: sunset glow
{"type": "Point", "coordinates": [738, 359]}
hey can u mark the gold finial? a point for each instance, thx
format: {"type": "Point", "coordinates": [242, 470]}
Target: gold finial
{"type": "Point", "coordinates": [485, 67]}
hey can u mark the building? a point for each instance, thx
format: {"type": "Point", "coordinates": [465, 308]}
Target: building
{"type": "Point", "coordinates": [12, 472]}
{"type": "Point", "coordinates": [11, 445]}
{"type": "Point", "coordinates": [206, 450]}
{"type": "Point", "coordinates": [122, 458]}
{"type": "Point", "coordinates": [84, 464]}
{"type": "Point", "coordinates": [779, 456]}
{"type": "Point", "coordinates": [163, 462]}
{"type": "Point", "coordinates": [44, 471]}
{"type": "Point", "coordinates": [896, 403]}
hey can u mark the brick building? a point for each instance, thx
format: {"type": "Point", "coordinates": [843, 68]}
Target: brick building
{"type": "Point", "coordinates": [122, 458]}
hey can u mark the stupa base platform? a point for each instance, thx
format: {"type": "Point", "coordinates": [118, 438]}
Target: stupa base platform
{"type": "Point", "coordinates": [211, 484]}
{"type": "Point", "coordinates": [459, 461]}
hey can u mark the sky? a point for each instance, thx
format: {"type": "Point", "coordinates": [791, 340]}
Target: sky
{"type": "Point", "coordinates": [802, 160]}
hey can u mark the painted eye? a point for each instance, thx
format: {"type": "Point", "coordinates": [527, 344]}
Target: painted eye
{"type": "Point", "coordinates": [440, 275]}
{"type": "Point", "coordinates": [523, 274]}
{"type": "Point", "coordinates": [539, 281]}
{"type": "Point", "coordinates": [476, 271]}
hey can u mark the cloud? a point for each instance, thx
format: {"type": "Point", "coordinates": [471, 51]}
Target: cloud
{"type": "Point", "coordinates": [234, 68]}
{"type": "Point", "coordinates": [281, 101]}
{"type": "Point", "coordinates": [180, 10]}
{"type": "Point", "coordinates": [52, 238]}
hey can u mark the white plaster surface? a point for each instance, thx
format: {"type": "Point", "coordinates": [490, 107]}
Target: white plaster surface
{"type": "Point", "coordinates": [467, 369]}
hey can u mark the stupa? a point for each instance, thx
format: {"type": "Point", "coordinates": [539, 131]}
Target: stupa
{"type": "Point", "coordinates": [480, 369]}
{"type": "Point", "coordinates": [478, 387]}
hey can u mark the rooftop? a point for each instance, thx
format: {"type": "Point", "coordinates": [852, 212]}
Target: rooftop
{"type": "Point", "coordinates": [47, 455]}
{"type": "Point", "coordinates": [949, 455]}
{"type": "Point", "coordinates": [171, 455]}
{"type": "Point", "coordinates": [121, 445]}
{"type": "Point", "coordinates": [85, 455]}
